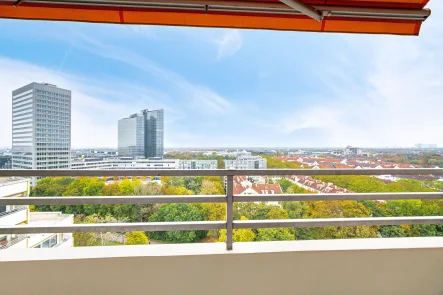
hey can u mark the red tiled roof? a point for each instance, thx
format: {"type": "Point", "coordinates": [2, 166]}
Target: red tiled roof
{"type": "Point", "coordinates": [267, 188]}
{"type": "Point", "coordinates": [259, 188]}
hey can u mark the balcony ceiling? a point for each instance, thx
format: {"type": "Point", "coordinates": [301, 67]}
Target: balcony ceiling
{"type": "Point", "coordinates": [400, 17]}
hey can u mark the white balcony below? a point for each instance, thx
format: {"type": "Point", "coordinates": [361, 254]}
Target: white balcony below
{"type": "Point", "coordinates": [14, 216]}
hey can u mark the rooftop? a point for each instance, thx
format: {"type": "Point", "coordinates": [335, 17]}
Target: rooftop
{"type": "Point", "coordinates": [47, 218]}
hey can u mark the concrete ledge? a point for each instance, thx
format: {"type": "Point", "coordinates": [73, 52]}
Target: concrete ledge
{"type": "Point", "coordinates": [367, 266]}
{"type": "Point", "coordinates": [218, 249]}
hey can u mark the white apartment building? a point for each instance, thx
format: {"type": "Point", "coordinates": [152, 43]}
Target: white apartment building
{"type": "Point", "coordinates": [17, 215]}
{"type": "Point", "coordinates": [352, 151]}
{"type": "Point", "coordinates": [246, 163]}
{"type": "Point", "coordinates": [133, 164]}
{"type": "Point", "coordinates": [197, 164]}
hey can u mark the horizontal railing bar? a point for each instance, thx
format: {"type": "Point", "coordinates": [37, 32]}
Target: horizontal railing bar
{"type": "Point", "coordinates": [207, 225]}
{"type": "Point", "coordinates": [105, 200]}
{"type": "Point", "coordinates": [321, 222]}
{"type": "Point", "coordinates": [337, 197]}
{"type": "Point", "coordinates": [219, 172]}
{"type": "Point", "coordinates": [112, 200]}
{"type": "Point", "coordinates": [113, 227]}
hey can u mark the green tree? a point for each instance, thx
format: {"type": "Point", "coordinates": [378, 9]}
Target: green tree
{"type": "Point", "coordinates": [51, 186]}
{"type": "Point", "coordinates": [425, 159]}
{"type": "Point", "coordinates": [211, 188]}
{"type": "Point", "coordinates": [285, 184]}
{"type": "Point", "coordinates": [136, 238]}
{"type": "Point", "coordinates": [213, 212]}
{"type": "Point", "coordinates": [389, 231]}
{"type": "Point", "coordinates": [295, 209]}
{"type": "Point", "coordinates": [275, 234]}
{"type": "Point", "coordinates": [84, 239]}
{"type": "Point", "coordinates": [277, 213]}
{"type": "Point", "coordinates": [177, 212]}
{"type": "Point", "coordinates": [253, 211]}
{"type": "Point", "coordinates": [149, 189]}
{"type": "Point", "coordinates": [220, 162]}
{"type": "Point", "coordinates": [176, 190]}
{"type": "Point", "coordinates": [340, 209]}
{"type": "Point", "coordinates": [413, 208]}
{"type": "Point", "coordinates": [127, 186]}
{"type": "Point", "coordinates": [111, 190]}
{"type": "Point", "coordinates": [172, 181]}
{"type": "Point", "coordinates": [76, 187]}
{"type": "Point", "coordinates": [274, 163]}
{"type": "Point", "coordinates": [375, 209]}
{"type": "Point", "coordinates": [193, 184]}
{"type": "Point", "coordinates": [94, 188]}
{"type": "Point", "coordinates": [295, 189]}
{"type": "Point", "coordinates": [239, 235]}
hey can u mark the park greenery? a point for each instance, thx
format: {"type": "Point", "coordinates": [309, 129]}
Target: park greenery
{"type": "Point", "coordinates": [84, 186]}
{"type": "Point", "coordinates": [273, 163]}
{"type": "Point", "coordinates": [368, 184]}
{"type": "Point", "coordinates": [427, 159]}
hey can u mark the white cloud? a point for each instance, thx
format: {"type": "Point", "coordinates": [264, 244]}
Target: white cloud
{"type": "Point", "coordinates": [199, 96]}
{"type": "Point", "coordinates": [229, 43]}
{"type": "Point", "coordinates": [391, 95]}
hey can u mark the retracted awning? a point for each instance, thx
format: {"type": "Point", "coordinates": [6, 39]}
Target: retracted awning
{"type": "Point", "coordinates": [401, 17]}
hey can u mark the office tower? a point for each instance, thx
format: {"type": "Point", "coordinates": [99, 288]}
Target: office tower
{"type": "Point", "coordinates": [41, 127]}
{"type": "Point", "coordinates": [141, 135]}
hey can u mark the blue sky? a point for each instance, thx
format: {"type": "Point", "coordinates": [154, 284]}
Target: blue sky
{"type": "Point", "coordinates": [222, 87]}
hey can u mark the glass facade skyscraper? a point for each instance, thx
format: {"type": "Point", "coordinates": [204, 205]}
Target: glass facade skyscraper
{"type": "Point", "coordinates": [41, 127]}
{"type": "Point", "coordinates": [142, 135]}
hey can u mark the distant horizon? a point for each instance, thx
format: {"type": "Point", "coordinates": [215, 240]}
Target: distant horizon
{"type": "Point", "coordinates": [258, 147]}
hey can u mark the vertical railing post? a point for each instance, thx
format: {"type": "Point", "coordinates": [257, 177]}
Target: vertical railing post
{"type": "Point", "coordinates": [229, 208]}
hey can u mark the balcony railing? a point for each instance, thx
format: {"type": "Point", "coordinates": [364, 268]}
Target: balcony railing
{"type": "Point", "coordinates": [229, 198]}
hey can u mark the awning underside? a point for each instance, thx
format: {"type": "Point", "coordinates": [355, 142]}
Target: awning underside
{"type": "Point", "coordinates": [401, 17]}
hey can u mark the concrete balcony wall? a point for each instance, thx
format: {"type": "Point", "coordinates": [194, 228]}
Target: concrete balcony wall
{"type": "Point", "coordinates": [367, 266]}
{"type": "Point", "coordinates": [14, 218]}
{"type": "Point", "coordinates": [22, 244]}
{"type": "Point", "coordinates": [67, 242]}
{"type": "Point", "coordinates": [14, 188]}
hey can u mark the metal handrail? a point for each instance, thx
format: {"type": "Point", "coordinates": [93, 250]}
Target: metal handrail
{"type": "Point", "coordinates": [229, 199]}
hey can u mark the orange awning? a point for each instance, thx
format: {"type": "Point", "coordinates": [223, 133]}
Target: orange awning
{"type": "Point", "coordinates": [401, 17]}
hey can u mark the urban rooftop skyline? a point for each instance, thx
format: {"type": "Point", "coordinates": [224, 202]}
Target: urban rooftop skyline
{"type": "Point", "coordinates": [228, 87]}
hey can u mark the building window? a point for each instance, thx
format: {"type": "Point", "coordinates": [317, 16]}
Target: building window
{"type": "Point", "coordinates": [49, 243]}
{"type": "Point", "coordinates": [53, 241]}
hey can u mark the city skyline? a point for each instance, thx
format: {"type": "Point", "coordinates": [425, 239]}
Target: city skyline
{"type": "Point", "coordinates": [230, 87]}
